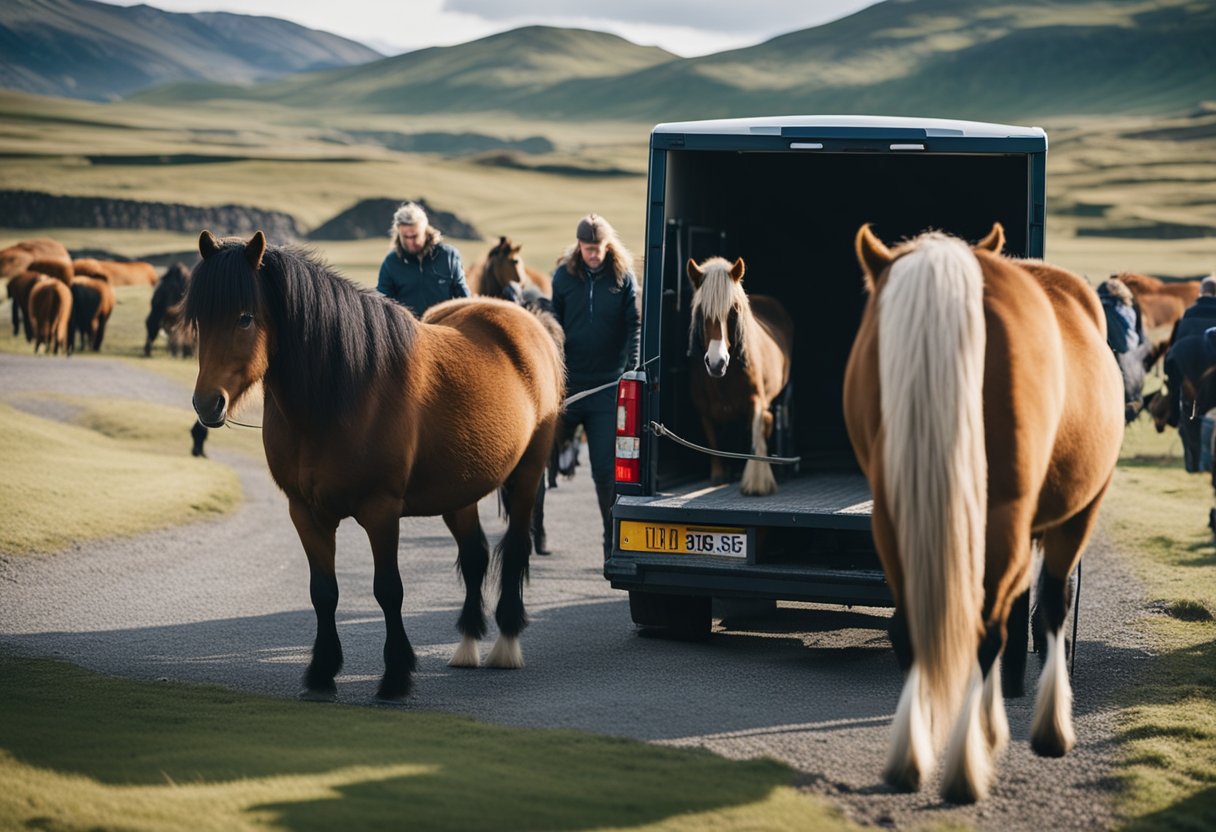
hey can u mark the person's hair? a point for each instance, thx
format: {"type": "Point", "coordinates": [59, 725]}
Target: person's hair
{"type": "Point", "coordinates": [615, 254]}
{"type": "Point", "coordinates": [1116, 288]}
{"type": "Point", "coordinates": [407, 213]}
{"type": "Point", "coordinates": [1207, 286]}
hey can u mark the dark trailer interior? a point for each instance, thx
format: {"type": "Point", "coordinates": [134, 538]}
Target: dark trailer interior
{"type": "Point", "coordinates": [792, 215]}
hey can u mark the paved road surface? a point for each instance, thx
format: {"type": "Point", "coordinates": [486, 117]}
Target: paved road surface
{"type": "Point", "coordinates": [226, 602]}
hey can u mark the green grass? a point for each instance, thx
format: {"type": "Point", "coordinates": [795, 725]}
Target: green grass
{"type": "Point", "coordinates": [1158, 513]}
{"type": "Point", "coordinates": [82, 751]}
{"type": "Point", "coordinates": [123, 469]}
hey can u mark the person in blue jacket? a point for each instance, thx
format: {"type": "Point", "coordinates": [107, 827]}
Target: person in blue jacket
{"type": "Point", "coordinates": [595, 299]}
{"type": "Point", "coordinates": [421, 270]}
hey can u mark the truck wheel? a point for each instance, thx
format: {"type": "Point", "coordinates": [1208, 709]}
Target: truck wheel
{"type": "Point", "coordinates": [685, 617]}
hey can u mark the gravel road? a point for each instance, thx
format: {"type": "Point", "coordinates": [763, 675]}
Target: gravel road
{"type": "Point", "coordinates": [225, 601]}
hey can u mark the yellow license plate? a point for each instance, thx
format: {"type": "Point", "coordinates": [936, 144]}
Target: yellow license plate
{"type": "Point", "coordinates": [636, 536]}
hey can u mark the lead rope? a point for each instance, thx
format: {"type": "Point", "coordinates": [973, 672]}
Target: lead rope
{"type": "Point", "coordinates": [662, 430]}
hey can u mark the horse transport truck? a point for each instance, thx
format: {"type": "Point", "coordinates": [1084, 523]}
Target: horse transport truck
{"type": "Point", "coordinates": [787, 195]}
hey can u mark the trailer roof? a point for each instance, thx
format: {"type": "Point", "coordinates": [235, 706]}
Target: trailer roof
{"type": "Point", "coordinates": [775, 125]}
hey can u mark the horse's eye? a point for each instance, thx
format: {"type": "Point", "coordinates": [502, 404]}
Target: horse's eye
{"type": "Point", "coordinates": [245, 321]}
{"type": "Point", "coordinates": [515, 261]}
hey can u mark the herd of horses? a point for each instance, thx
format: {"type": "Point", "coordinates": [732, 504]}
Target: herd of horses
{"type": "Point", "coordinates": [980, 397]}
{"type": "Point", "coordinates": [64, 304]}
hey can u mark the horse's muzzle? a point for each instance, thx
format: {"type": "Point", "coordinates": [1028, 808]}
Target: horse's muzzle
{"type": "Point", "coordinates": [211, 409]}
{"type": "Point", "coordinates": [716, 369]}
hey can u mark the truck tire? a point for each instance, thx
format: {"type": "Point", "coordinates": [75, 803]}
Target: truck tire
{"type": "Point", "coordinates": [684, 617]}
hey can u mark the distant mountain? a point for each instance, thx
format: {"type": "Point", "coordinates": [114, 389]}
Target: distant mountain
{"type": "Point", "coordinates": [493, 73]}
{"type": "Point", "coordinates": [85, 49]}
{"type": "Point", "coordinates": [990, 59]}
{"type": "Point", "coordinates": [985, 59]}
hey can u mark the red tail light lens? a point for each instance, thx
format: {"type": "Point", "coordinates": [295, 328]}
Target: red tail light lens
{"type": "Point", "coordinates": [628, 427]}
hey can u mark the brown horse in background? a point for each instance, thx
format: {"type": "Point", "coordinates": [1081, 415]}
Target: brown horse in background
{"type": "Point", "coordinates": [17, 257]}
{"type": "Point", "coordinates": [502, 267]}
{"type": "Point", "coordinates": [746, 344]}
{"type": "Point", "coordinates": [166, 313]}
{"type": "Point", "coordinates": [92, 305]}
{"type": "Point", "coordinates": [1161, 302]}
{"type": "Point", "coordinates": [59, 269]}
{"type": "Point", "coordinates": [117, 272]}
{"type": "Point", "coordinates": [372, 414]}
{"type": "Point", "coordinates": [50, 310]}
{"type": "Point", "coordinates": [19, 287]}
{"type": "Point", "coordinates": [987, 414]}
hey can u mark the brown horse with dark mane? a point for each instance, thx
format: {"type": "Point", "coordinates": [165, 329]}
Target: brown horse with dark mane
{"type": "Point", "coordinates": [372, 414]}
{"type": "Point", "coordinates": [987, 414]}
{"type": "Point", "coordinates": [50, 310]}
{"type": "Point", "coordinates": [166, 313]}
{"type": "Point", "coordinates": [745, 343]}
{"type": "Point", "coordinates": [503, 271]}
{"type": "Point", "coordinates": [92, 305]}
{"type": "Point", "coordinates": [1161, 302]}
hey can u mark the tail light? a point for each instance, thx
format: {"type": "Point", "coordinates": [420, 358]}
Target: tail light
{"type": "Point", "coordinates": [629, 427]}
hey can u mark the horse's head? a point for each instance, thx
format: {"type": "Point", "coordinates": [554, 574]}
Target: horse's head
{"type": "Point", "coordinates": [224, 304]}
{"type": "Point", "coordinates": [503, 264]}
{"type": "Point", "coordinates": [876, 259]}
{"type": "Point", "coordinates": [719, 310]}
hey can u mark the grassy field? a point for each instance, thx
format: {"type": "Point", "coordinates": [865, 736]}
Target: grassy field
{"type": "Point", "coordinates": [1158, 513]}
{"type": "Point", "coordinates": [81, 751]}
{"type": "Point", "coordinates": [121, 469]}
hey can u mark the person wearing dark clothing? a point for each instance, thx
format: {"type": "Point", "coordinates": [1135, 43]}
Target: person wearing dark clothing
{"type": "Point", "coordinates": [1201, 314]}
{"type": "Point", "coordinates": [421, 270]}
{"type": "Point", "coordinates": [595, 301]}
{"type": "Point", "coordinates": [1186, 363]}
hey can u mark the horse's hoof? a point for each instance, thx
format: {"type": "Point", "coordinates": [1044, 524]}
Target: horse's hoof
{"type": "Point", "coordinates": [466, 654]}
{"type": "Point", "coordinates": [393, 690]}
{"type": "Point", "coordinates": [386, 701]}
{"type": "Point", "coordinates": [308, 695]}
{"type": "Point", "coordinates": [506, 654]}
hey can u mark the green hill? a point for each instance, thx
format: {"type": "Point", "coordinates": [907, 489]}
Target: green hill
{"type": "Point", "coordinates": [84, 49]}
{"type": "Point", "coordinates": [494, 73]}
{"type": "Point", "coordinates": [987, 59]}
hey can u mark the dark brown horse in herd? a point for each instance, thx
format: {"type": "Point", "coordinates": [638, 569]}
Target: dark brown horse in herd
{"type": "Point", "coordinates": [374, 414]}
{"type": "Point", "coordinates": [986, 412]}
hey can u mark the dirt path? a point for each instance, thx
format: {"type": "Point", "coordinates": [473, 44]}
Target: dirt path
{"type": "Point", "coordinates": [226, 602]}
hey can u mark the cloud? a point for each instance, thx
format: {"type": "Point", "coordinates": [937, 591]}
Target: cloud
{"type": "Point", "coordinates": [744, 16]}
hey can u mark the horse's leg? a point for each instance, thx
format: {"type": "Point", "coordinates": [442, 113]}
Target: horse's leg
{"type": "Point", "coordinates": [317, 536]}
{"type": "Point", "coordinates": [382, 522]}
{"type": "Point", "coordinates": [514, 549]}
{"type": "Point", "coordinates": [473, 557]}
{"type": "Point", "coordinates": [981, 729]}
{"type": "Point", "coordinates": [152, 327]}
{"type": "Point", "coordinates": [717, 470]}
{"type": "Point", "coordinates": [910, 757]}
{"type": "Point", "coordinates": [1051, 732]}
{"type": "Point", "coordinates": [758, 478]}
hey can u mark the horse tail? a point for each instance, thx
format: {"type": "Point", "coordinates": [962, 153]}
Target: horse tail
{"type": "Point", "coordinates": [932, 340]}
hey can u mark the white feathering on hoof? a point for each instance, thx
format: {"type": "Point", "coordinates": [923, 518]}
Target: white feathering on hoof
{"type": "Point", "coordinates": [911, 756]}
{"type": "Point", "coordinates": [506, 653]}
{"type": "Point", "coordinates": [968, 770]}
{"type": "Point", "coordinates": [758, 479]}
{"type": "Point", "coordinates": [992, 712]}
{"type": "Point", "coordinates": [466, 654]}
{"type": "Point", "coordinates": [1051, 733]}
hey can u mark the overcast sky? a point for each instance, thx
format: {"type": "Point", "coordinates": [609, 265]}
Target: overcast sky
{"type": "Point", "coordinates": [685, 27]}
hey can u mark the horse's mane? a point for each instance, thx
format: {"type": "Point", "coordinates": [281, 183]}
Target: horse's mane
{"type": "Point", "coordinates": [332, 339]}
{"type": "Point", "coordinates": [171, 287]}
{"type": "Point", "coordinates": [717, 297]}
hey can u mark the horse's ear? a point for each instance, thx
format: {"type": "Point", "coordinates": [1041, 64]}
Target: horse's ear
{"type": "Point", "coordinates": [872, 254]}
{"type": "Point", "coordinates": [694, 273]}
{"type": "Point", "coordinates": [995, 241]}
{"type": "Point", "coordinates": [254, 249]}
{"type": "Point", "coordinates": [207, 244]}
{"type": "Point", "coordinates": [737, 269]}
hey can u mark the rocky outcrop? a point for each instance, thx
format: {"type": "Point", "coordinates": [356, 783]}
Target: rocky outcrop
{"type": "Point", "coordinates": [32, 209]}
{"type": "Point", "coordinates": [372, 217]}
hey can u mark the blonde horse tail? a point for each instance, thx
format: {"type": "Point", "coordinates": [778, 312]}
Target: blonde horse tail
{"type": "Point", "coordinates": [932, 340]}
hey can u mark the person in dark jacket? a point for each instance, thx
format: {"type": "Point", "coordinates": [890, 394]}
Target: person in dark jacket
{"type": "Point", "coordinates": [1201, 314]}
{"type": "Point", "coordinates": [595, 299]}
{"type": "Point", "coordinates": [1187, 364]}
{"type": "Point", "coordinates": [421, 270]}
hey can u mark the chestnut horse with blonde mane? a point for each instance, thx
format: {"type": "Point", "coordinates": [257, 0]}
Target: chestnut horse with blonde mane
{"type": "Point", "coordinates": [746, 343]}
{"type": "Point", "coordinates": [986, 413]}
{"type": "Point", "coordinates": [373, 414]}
